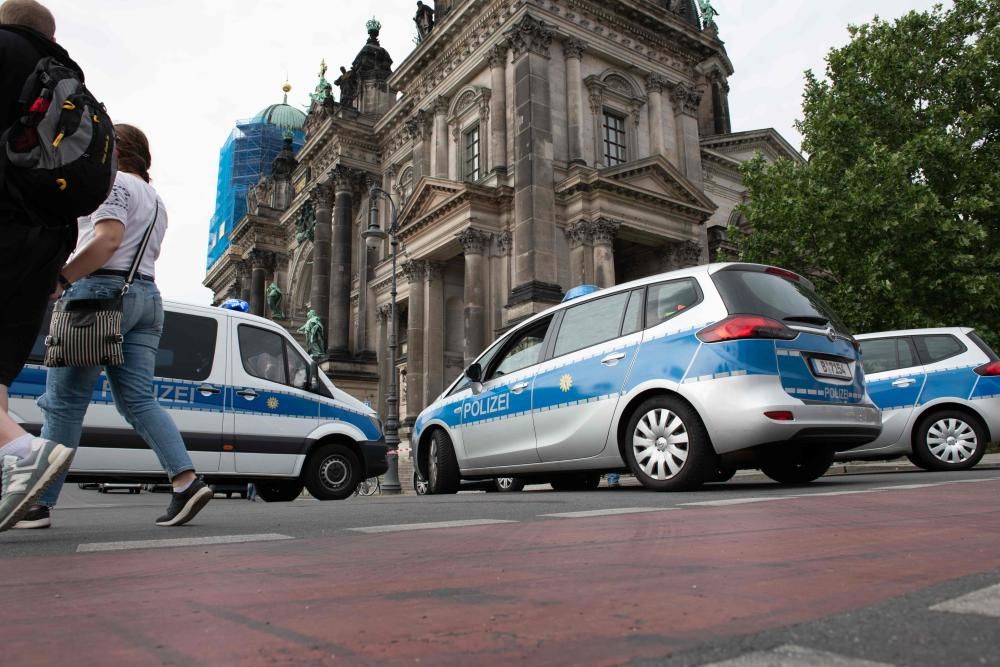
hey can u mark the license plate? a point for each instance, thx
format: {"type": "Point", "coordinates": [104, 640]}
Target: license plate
{"type": "Point", "coordinates": [833, 369]}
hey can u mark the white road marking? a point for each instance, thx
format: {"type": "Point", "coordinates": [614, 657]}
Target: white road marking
{"type": "Point", "coordinates": [985, 602]}
{"type": "Point", "coordinates": [427, 526]}
{"type": "Point", "coordinates": [733, 501]}
{"type": "Point", "coordinates": [179, 542]}
{"type": "Point", "coordinates": [790, 655]}
{"type": "Point", "coordinates": [608, 512]}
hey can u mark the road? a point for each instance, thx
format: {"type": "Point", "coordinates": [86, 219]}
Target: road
{"type": "Point", "coordinates": [871, 569]}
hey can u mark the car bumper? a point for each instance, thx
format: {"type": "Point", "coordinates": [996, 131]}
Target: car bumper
{"type": "Point", "coordinates": [375, 455]}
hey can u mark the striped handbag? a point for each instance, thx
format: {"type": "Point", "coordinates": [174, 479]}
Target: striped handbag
{"type": "Point", "coordinates": [88, 332]}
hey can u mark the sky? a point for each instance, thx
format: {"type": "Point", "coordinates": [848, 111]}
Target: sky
{"type": "Point", "coordinates": [185, 71]}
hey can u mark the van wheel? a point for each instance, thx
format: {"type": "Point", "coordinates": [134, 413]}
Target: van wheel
{"type": "Point", "coordinates": [332, 472]}
{"type": "Point", "coordinates": [442, 465]}
{"type": "Point", "coordinates": [798, 466]}
{"type": "Point", "coordinates": [948, 440]}
{"type": "Point", "coordinates": [419, 485]}
{"type": "Point", "coordinates": [508, 484]}
{"type": "Point", "coordinates": [667, 446]}
{"type": "Point", "coordinates": [582, 481]}
{"type": "Point", "coordinates": [279, 491]}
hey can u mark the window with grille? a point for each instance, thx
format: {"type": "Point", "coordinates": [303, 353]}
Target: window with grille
{"type": "Point", "coordinates": [614, 139]}
{"type": "Point", "coordinates": [472, 167]}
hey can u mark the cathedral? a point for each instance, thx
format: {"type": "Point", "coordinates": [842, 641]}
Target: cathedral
{"type": "Point", "coordinates": [528, 146]}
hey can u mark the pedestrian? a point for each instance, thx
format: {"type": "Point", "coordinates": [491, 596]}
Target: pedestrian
{"type": "Point", "coordinates": [109, 242]}
{"type": "Point", "coordinates": [31, 254]}
{"type": "Point", "coordinates": [252, 492]}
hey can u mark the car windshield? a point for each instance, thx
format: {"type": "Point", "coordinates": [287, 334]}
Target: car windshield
{"type": "Point", "coordinates": [759, 293]}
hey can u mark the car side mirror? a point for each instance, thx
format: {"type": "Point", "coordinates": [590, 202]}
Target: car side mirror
{"type": "Point", "coordinates": [474, 372]}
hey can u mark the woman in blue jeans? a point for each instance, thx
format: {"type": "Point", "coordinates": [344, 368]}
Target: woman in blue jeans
{"type": "Point", "coordinates": [109, 239]}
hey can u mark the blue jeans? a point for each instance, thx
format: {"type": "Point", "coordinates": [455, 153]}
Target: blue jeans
{"type": "Point", "coordinates": [613, 478]}
{"type": "Point", "coordinates": [68, 391]}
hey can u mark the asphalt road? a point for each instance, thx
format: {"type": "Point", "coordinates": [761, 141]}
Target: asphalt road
{"type": "Point", "coordinates": [850, 570]}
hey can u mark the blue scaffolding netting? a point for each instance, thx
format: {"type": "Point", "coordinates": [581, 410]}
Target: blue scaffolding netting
{"type": "Point", "coordinates": [244, 158]}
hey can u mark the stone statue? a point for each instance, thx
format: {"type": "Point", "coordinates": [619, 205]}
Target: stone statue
{"type": "Point", "coordinates": [424, 20]}
{"type": "Point", "coordinates": [274, 297]}
{"type": "Point", "coordinates": [348, 86]}
{"type": "Point", "coordinates": [315, 335]}
{"type": "Point", "coordinates": [708, 12]}
{"type": "Point", "coordinates": [305, 223]}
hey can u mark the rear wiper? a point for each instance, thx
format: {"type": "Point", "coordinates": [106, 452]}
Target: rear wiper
{"type": "Point", "coordinates": [807, 319]}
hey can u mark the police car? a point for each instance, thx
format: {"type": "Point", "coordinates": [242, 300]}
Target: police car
{"type": "Point", "coordinates": [680, 378]}
{"type": "Point", "coordinates": [250, 404]}
{"type": "Point", "coordinates": [939, 391]}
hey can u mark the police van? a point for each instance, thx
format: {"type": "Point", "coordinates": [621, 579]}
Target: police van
{"type": "Point", "coordinates": [680, 378]}
{"type": "Point", "coordinates": [249, 402]}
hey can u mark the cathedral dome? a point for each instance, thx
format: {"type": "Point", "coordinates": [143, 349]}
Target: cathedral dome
{"type": "Point", "coordinates": [284, 116]}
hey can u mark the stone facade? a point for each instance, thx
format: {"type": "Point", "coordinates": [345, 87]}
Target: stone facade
{"type": "Point", "coordinates": [529, 145]}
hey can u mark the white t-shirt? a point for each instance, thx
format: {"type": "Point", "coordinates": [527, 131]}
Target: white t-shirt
{"type": "Point", "coordinates": [132, 202]}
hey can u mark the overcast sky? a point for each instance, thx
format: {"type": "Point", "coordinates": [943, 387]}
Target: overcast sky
{"type": "Point", "coordinates": [184, 71]}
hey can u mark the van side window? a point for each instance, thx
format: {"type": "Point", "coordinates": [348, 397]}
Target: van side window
{"type": "Point", "coordinates": [187, 347]}
{"type": "Point", "coordinates": [591, 323]}
{"type": "Point", "coordinates": [665, 300]}
{"type": "Point", "coordinates": [267, 355]}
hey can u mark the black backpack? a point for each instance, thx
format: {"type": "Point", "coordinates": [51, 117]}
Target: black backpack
{"type": "Point", "coordinates": [58, 160]}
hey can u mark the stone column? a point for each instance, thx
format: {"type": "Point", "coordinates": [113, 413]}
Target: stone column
{"type": "Point", "coordinates": [382, 314]}
{"type": "Point", "coordinates": [319, 299]}
{"type": "Point", "coordinates": [573, 49]}
{"type": "Point", "coordinates": [534, 196]}
{"type": "Point", "coordinates": [434, 330]}
{"type": "Point", "coordinates": [581, 253]}
{"type": "Point", "coordinates": [261, 261]}
{"type": "Point", "coordinates": [367, 258]}
{"type": "Point", "coordinates": [686, 102]}
{"type": "Point", "coordinates": [456, 167]}
{"type": "Point", "coordinates": [418, 128]}
{"type": "Point", "coordinates": [595, 96]}
{"type": "Point", "coordinates": [413, 271]}
{"type": "Point", "coordinates": [340, 264]}
{"type": "Point", "coordinates": [242, 285]}
{"type": "Point", "coordinates": [440, 166]}
{"type": "Point", "coordinates": [498, 107]}
{"type": "Point", "coordinates": [604, 231]}
{"type": "Point", "coordinates": [474, 243]}
{"type": "Point", "coordinates": [654, 88]}
{"type": "Point", "coordinates": [501, 283]}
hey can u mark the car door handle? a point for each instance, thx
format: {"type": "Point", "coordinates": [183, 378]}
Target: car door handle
{"type": "Point", "coordinates": [613, 359]}
{"type": "Point", "coordinates": [458, 410]}
{"type": "Point", "coordinates": [903, 382]}
{"type": "Point", "coordinates": [519, 387]}
{"type": "Point", "coordinates": [247, 393]}
{"type": "Point", "coordinates": [208, 390]}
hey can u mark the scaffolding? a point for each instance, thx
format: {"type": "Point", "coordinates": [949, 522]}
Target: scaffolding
{"type": "Point", "coordinates": [245, 157]}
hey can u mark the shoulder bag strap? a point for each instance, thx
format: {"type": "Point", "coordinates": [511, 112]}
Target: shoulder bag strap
{"type": "Point", "coordinates": [141, 251]}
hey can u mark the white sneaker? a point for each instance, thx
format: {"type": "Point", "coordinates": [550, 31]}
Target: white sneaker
{"type": "Point", "coordinates": [25, 480]}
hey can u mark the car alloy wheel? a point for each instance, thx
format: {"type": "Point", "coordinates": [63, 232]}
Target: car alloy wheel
{"type": "Point", "coordinates": [952, 440]}
{"type": "Point", "coordinates": [660, 444]}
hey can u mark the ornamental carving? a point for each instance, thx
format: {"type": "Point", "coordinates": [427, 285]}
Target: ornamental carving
{"type": "Point", "coordinates": [441, 105]}
{"type": "Point", "coordinates": [305, 222]}
{"type": "Point", "coordinates": [344, 178]}
{"type": "Point", "coordinates": [484, 103]}
{"type": "Point", "coordinates": [322, 194]}
{"type": "Point", "coordinates": [605, 230]}
{"type": "Point", "coordinates": [505, 242]}
{"type": "Point", "coordinates": [262, 259]}
{"type": "Point", "coordinates": [655, 83]}
{"type": "Point", "coordinates": [497, 56]}
{"type": "Point", "coordinates": [529, 36]}
{"type": "Point", "coordinates": [580, 233]}
{"type": "Point", "coordinates": [683, 254]}
{"type": "Point", "coordinates": [685, 99]}
{"type": "Point", "coordinates": [413, 270]}
{"type": "Point", "coordinates": [383, 313]}
{"type": "Point", "coordinates": [418, 127]}
{"type": "Point", "coordinates": [474, 241]}
{"type": "Point", "coordinates": [574, 48]}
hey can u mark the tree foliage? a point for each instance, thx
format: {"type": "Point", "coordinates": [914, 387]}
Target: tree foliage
{"type": "Point", "coordinates": [896, 213]}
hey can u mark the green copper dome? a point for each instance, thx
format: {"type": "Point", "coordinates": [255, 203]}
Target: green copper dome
{"type": "Point", "coordinates": [283, 115]}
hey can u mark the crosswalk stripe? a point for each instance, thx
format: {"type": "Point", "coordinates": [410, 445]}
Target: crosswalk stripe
{"type": "Point", "coordinates": [428, 526]}
{"type": "Point", "coordinates": [791, 655]}
{"type": "Point", "coordinates": [733, 501]}
{"type": "Point", "coordinates": [608, 512]}
{"type": "Point", "coordinates": [179, 542]}
{"type": "Point", "coordinates": [985, 602]}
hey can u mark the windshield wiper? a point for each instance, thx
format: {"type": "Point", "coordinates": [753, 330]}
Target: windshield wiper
{"type": "Point", "coordinates": [807, 319]}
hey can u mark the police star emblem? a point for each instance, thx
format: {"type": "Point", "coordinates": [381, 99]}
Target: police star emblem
{"type": "Point", "coordinates": [566, 382]}
{"type": "Point", "coordinates": [272, 403]}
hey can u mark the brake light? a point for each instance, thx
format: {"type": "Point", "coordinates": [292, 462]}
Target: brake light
{"type": "Point", "coordinates": [739, 327]}
{"type": "Point", "coordinates": [780, 415]}
{"type": "Point", "coordinates": [784, 273]}
{"type": "Point", "coordinates": [991, 369]}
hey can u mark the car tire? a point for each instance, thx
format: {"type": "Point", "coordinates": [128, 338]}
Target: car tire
{"type": "Point", "coordinates": [279, 491]}
{"type": "Point", "coordinates": [508, 484]}
{"type": "Point", "coordinates": [419, 485]}
{"type": "Point", "coordinates": [932, 449]}
{"type": "Point", "coordinates": [798, 466]}
{"type": "Point", "coordinates": [581, 481]}
{"type": "Point", "coordinates": [667, 447]}
{"type": "Point", "coordinates": [442, 464]}
{"type": "Point", "coordinates": [332, 472]}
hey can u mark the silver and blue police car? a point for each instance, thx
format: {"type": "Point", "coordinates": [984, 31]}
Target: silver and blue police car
{"type": "Point", "coordinates": [679, 378]}
{"type": "Point", "coordinates": [939, 391]}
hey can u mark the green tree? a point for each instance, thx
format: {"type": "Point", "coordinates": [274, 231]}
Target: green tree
{"type": "Point", "coordinates": [896, 213]}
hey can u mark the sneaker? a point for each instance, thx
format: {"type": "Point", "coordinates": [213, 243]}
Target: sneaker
{"type": "Point", "coordinates": [185, 505]}
{"type": "Point", "coordinates": [38, 516]}
{"type": "Point", "coordinates": [25, 480]}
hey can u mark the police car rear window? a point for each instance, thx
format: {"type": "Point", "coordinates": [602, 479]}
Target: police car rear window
{"type": "Point", "coordinates": [938, 347]}
{"type": "Point", "coordinates": [759, 293]}
{"type": "Point", "coordinates": [981, 344]}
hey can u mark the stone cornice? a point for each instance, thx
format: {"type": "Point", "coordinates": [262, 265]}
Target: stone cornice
{"type": "Point", "coordinates": [752, 139]}
{"type": "Point", "coordinates": [458, 195]}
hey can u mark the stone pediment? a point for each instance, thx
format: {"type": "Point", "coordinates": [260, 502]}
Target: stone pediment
{"type": "Point", "coordinates": [434, 198]}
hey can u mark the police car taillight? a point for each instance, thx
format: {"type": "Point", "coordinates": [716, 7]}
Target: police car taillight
{"type": "Point", "coordinates": [992, 369]}
{"type": "Point", "coordinates": [739, 327]}
{"type": "Point", "coordinates": [784, 273]}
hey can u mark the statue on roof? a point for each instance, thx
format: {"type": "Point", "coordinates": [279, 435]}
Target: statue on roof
{"type": "Point", "coordinates": [424, 20]}
{"type": "Point", "coordinates": [324, 90]}
{"type": "Point", "coordinates": [708, 13]}
{"type": "Point", "coordinates": [348, 86]}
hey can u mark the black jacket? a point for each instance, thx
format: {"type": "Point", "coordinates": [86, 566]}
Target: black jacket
{"type": "Point", "coordinates": [20, 50]}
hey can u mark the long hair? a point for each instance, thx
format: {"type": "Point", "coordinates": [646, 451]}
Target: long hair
{"type": "Point", "coordinates": [133, 151]}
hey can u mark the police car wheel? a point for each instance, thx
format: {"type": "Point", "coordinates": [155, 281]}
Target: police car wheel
{"type": "Point", "coordinates": [667, 446]}
{"type": "Point", "coordinates": [332, 472]}
{"type": "Point", "coordinates": [948, 440]}
{"type": "Point", "coordinates": [508, 484]}
{"type": "Point", "coordinates": [279, 491]}
{"type": "Point", "coordinates": [442, 465]}
{"type": "Point", "coordinates": [798, 466]}
{"type": "Point", "coordinates": [419, 485]}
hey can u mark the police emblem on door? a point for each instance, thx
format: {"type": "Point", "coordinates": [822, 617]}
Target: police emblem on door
{"type": "Point", "coordinates": [566, 382]}
{"type": "Point", "coordinates": [272, 403]}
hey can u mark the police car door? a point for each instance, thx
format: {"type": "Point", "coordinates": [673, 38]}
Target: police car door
{"type": "Point", "coordinates": [895, 378]}
{"type": "Point", "coordinates": [274, 413]}
{"type": "Point", "coordinates": [497, 429]}
{"type": "Point", "coordinates": [577, 390]}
